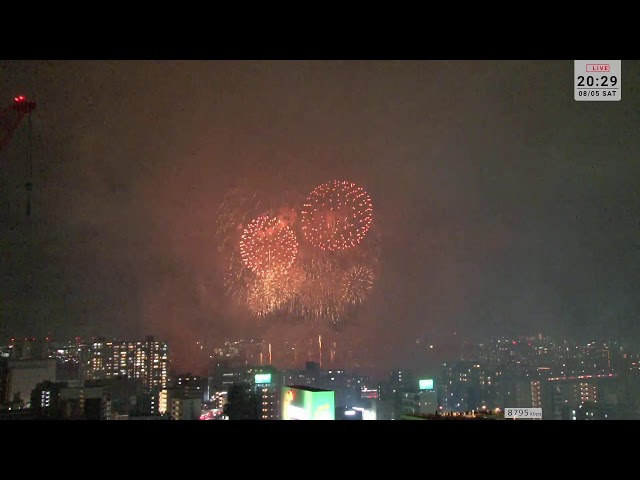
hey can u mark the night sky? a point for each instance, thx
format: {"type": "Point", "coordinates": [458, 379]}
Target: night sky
{"type": "Point", "coordinates": [504, 206]}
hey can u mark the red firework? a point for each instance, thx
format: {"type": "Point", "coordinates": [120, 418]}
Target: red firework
{"type": "Point", "coordinates": [268, 245]}
{"type": "Point", "coordinates": [336, 215]}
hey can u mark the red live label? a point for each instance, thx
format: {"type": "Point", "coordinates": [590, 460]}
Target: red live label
{"type": "Point", "coordinates": [598, 67]}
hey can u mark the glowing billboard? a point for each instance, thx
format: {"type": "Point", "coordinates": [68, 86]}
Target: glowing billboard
{"type": "Point", "coordinates": [426, 384]}
{"type": "Point", "coordinates": [263, 378]}
{"type": "Point", "coordinates": [306, 403]}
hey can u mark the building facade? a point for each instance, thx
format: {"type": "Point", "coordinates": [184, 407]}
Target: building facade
{"type": "Point", "coordinates": [147, 360]}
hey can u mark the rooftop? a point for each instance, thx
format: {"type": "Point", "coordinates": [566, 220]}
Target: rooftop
{"type": "Point", "coordinates": [308, 389]}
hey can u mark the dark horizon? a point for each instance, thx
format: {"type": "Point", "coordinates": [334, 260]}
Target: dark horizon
{"type": "Point", "coordinates": [504, 207]}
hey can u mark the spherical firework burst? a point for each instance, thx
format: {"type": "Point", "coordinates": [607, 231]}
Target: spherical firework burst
{"type": "Point", "coordinates": [357, 284]}
{"type": "Point", "coordinates": [336, 215]}
{"type": "Point", "coordinates": [268, 245]}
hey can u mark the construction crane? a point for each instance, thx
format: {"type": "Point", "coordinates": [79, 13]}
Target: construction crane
{"type": "Point", "coordinates": [10, 119]}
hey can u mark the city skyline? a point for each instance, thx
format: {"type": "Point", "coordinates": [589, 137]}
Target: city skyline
{"type": "Point", "coordinates": [560, 378]}
{"type": "Point", "coordinates": [427, 358]}
{"type": "Point", "coordinates": [503, 206]}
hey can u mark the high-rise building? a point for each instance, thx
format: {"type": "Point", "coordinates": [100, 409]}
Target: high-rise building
{"type": "Point", "coordinates": [267, 388]}
{"type": "Point", "coordinates": [147, 360]}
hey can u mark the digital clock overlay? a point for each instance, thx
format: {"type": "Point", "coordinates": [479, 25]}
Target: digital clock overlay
{"type": "Point", "coordinates": [597, 80]}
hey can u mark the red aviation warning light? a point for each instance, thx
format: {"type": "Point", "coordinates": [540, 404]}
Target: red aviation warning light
{"type": "Point", "coordinates": [21, 104]}
{"type": "Point", "coordinates": [11, 117]}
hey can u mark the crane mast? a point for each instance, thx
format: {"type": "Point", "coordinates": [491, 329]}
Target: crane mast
{"type": "Point", "coordinates": [11, 117]}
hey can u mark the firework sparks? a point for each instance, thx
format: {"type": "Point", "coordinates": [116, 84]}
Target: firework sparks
{"type": "Point", "coordinates": [336, 215]}
{"type": "Point", "coordinates": [274, 276]}
{"type": "Point", "coordinates": [357, 284]}
{"type": "Point", "coordinates": [241, 204]}
{"type": "Point", "coordinates": [273, 292]}
{"type": "Point", "coordinates": [319, 294]}
{"type": "Point", "coordinates": [268, 245]}
{"type": "Point", "coordinates": [236, 210]}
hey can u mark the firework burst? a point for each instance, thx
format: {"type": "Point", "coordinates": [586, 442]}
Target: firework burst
{"type": "Point", "coordinates": [336, 215]}
{"type": "Point", "coordinates": [268, 245]}
{"type": "Point", "coordinates": [320, 282]}
{"type": "Point", "coordinates": [357, 284]}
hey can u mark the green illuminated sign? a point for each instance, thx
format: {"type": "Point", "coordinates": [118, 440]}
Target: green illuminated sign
{"type": "Point", "coordinates": [301, 404]}
{"type": "Point", "coordinates": [426, 384]}
{"type": "Point", "coordinates": [263, 378]}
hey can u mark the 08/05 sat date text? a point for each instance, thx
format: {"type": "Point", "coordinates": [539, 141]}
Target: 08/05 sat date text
{"type": "Point", "coordinates": [596, 93]}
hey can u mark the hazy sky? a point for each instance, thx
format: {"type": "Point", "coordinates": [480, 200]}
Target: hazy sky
{"type": "Point", "coordinates": [504, 205]}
